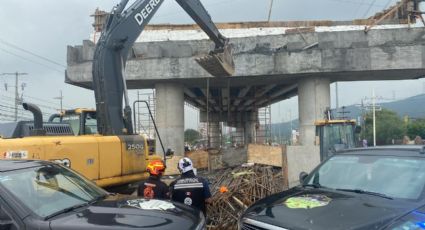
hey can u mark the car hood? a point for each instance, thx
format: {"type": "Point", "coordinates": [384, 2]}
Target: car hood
{"type": "Point", "coordinates": [125, 212]}
{"type": "Point", "coordinates": [305, 208]}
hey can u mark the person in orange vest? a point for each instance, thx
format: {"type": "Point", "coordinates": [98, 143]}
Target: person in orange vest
{"type": "Point", "coordinates": [153, 187]}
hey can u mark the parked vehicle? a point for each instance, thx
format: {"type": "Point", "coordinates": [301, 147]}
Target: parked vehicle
{"type": "Point", "coordinates": [368, 188]}
{"type": "Point", "coordinates": [45, 195]}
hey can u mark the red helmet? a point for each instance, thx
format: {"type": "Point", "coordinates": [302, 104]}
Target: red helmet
{"type": "Point", "coordinates": [156, 167]}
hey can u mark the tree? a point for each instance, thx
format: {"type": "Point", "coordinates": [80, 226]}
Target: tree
{"type": "Point", "coordinates": [191, 135]}
{"type": "Point", "coordinates": [389, 127]}
{"type": "Point", "coordinates": [416, 128]}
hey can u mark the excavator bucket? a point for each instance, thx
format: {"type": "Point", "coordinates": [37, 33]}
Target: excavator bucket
{"type": "Point", "coordinates": [218, 64]}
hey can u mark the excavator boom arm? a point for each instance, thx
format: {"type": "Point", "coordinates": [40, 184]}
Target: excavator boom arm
{"type": "Point", "coordinates": [200, 15]}
{"type": "Point", "coordinates": [121, 30]}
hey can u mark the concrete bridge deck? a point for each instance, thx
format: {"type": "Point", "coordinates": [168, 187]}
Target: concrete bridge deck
{"type": "Point", "coordinates": [265, 57]}
{"type": "Point", "coordinates": [272, 64]}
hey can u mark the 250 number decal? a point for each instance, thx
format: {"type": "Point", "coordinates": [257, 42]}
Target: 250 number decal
{"type": "Point", "coordinates": [135, 146]}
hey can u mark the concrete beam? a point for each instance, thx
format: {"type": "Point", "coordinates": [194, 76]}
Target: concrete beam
{"type": "Point", "coordinates": [229, 117]}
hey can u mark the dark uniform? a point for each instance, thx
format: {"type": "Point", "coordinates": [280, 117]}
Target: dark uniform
{"type": "Point", "coordinates": [153, 188]}
{"type": "Point", "coordinates": [190, 190]}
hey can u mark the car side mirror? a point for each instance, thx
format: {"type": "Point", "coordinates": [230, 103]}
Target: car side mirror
{"type": "Point", "coordinates": [303, 176]}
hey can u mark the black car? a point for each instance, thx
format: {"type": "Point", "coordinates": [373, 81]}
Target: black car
{"type": "Point", "coordinates": [369, 188]}
{"type": "Point", "coordinates": [44, 195]}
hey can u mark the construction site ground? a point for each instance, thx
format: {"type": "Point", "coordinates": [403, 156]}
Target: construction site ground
{"type": "Point", "coordinates": [237, 177]}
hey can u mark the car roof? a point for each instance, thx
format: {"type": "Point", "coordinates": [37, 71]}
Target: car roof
{"type": "Point", "coordinates": [390, 150]}
{"type": "Point", "coordinates": [10, 165]}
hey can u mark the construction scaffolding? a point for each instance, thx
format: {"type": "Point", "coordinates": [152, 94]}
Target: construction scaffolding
{"type": "Point", "coordinates": [237, 137]}
{"type": "Point", "coordinates": [214, 135]}
{"type": "Point", "coordinates": [100, 17]}
{"type": "Point", "coordinates": [263, 129]}
{"type": "Point", "coordinates": [144, 123]}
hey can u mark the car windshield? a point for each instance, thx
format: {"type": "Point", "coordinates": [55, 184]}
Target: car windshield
{"type": "Point", "coordinates": [396, 177]}
{"type": "Point", "coordinates": [49, 189]}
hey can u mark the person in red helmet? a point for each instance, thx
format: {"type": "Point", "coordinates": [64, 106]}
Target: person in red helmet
{"type": "Point", "coordinates": [153, 187]}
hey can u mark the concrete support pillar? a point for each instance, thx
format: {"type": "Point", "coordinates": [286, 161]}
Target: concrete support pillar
{"type": "Point", "coordinates": [250, 119]}
{"type": "Point", "coordinates": [239, 136]}
{"type": "Point", "coordinates": [249, 132]}
{"type": "Point", "coordinates": [170, 117]}
{"type": "Point", "coordinates": [313, 99]}
{"type": "Point", "coordinates": [214, 135]}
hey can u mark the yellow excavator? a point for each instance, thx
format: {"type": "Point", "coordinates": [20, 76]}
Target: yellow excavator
{"type": "Point", "coordinates": [335, 134]}
{"type": "Point", "coordinates": [101, 144]}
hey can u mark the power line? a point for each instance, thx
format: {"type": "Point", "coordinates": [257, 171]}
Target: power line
{"type": "Point", "coordinates": [368, 9]}
{"type": "Point", "coordinates": [29, 60]}
{"type": "Point", "coordinates": [38, 101]}
{"type": "Point", "coordinates": [46, 103]}
{"type": "Point", "coordinates": [358, 8]}
{"type": "Point", "coordinates": [40, 105]}
{"type": "Point", "coordinates": [20, 109]}
{"type": "Point", "coordinates": [358, 3]}
{"type": "Point", "coordinates": [31, 53]}
{"type": "Point", "coordinates": [388, 4]}
{"type": "Point", "coordinates": [270, 10]}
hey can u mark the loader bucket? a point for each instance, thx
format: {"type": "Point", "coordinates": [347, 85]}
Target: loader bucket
{"type": "Point", "coordinates": [218, 64]}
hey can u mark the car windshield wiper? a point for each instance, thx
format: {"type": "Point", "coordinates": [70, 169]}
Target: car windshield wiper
{"type": "Point", "coordinates": [66, 210]}
{"type": "Point", "coordinates": [315, 185]}
{"type": "Point", "coordinates": [360, 191]}
{"type": "Point", "coordinates": [98, 198]}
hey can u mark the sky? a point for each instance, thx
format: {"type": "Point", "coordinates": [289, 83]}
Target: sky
{"type": "Point", "coordinates": [46, 27]}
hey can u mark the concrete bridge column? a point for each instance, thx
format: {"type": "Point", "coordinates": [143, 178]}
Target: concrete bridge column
{"type": "Point", "coordinates": [313, 99]}
{"type": "Point", "coordinates": [249, 132]}
{"type": "Point", "coordinates": [239, 136]}
{"type": "Point", "coordinates": [170, 117]}
{"type": "Point", "coordinates": [250, 120]}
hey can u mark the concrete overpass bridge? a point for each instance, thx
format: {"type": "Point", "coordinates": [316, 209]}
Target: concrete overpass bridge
{"type": "Point", "coordinates": [273, 62]}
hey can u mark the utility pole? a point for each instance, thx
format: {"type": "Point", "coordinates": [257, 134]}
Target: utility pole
{"type": "Point", "coordinates": [336, 95]}
{"type": "Point", "coordinates": [280, 126]}
{"type": "Point", "coordinates": [60, 98]}
{"type": "Point", "coordinates": [374, 116]}
{"type": "Point", "coordinates": [371, 106]}
{"type": "Point", "coordinates": [290, 133]}
{"type": "Point", "coordinates": [17, 101]}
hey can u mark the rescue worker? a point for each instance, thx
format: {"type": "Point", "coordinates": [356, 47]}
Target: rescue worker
{"type": "Point", "coordinates": [153, 187]}
{"type": "Point", "coordinates": [190, 189]}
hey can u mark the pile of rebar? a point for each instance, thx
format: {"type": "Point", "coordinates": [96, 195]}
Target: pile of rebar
{"type": "Point", "coordinates": [235, 189]}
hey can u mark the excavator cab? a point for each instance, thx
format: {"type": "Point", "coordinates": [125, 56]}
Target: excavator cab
{"type": "Point", "coordinates": [82, 121]}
